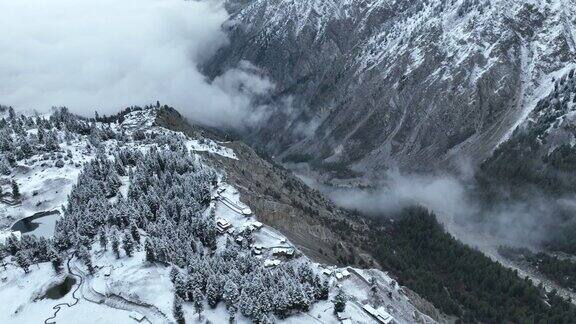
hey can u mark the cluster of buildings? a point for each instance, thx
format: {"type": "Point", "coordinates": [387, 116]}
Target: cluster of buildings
{"type": "Point", "coordinates": [338, 274]}
{"type": "Point", "coordinates": [225, 227]}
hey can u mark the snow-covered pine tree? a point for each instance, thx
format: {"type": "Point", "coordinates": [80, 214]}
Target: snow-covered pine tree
{"type": "Point", "coordinates": [15, 190]}
{"type": "Point", "coordinates": [128, 244]}
{"type": "Point", "coordinates": [246, 305]}
{"type": "Point", "coordinates": [280, 304]}
{"type": "Point", "coordinates": [11, 113]}
{"type": "Point", "coordinates": [177, 310]}
{"type": "Point", "coordinates": [374, 294]}
{"type": "Point", "coordinates": [84, 255]}
{"type": "Point", "coordinates": [305, 272]}
{"type": "Point", "coordinates": [213, 291]}
{"type": "Point", "coordinates": [198, 300]}
{"type": "Point", "coordinates": [339, 301]}
{"type": "Point", "coordinates": [150, 253]}
{"type": "Point", "coordinates": [41, 133]}
{"type": "Point", "coordinates": [5, 168]}
{"type": "Point", "coordinates": [56, 261]}
{"type": "Point", "coordinates": [230, 297]}
{"type": "Point", "coordinates": [103, 239]}
{"type": "Point", "coordinates": [134, 232]}
{"type": "Point", "coordinates": [51, 141]}
{"type": "Point", "coordinates": [23, 260]}
{"type": "Point", "coordinates": [116, 245]}
{"type": "Point", "coordinates": [324, 290]}
{"type": "Point", "coordinates": [174, 274]}
{"type": "Point", "coordinates": [119, 166]}
{"type": "Point", "coordinates": [180, 286]}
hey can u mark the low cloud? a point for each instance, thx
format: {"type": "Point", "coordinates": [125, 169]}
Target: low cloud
{"type": "Point", "coordinates": [105, 55]}
{"type": "Point", "coordinates": [444, 194]}
{"type": "Point", "coordinates": [455, 203]}
{"type": "Point", "coordinates": [238, 89]}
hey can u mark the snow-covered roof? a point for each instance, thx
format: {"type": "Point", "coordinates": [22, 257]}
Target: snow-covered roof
{"type": "Point", "coordinates": [222, 222]}
{"type": "Point", "coordinates": [380, 314]}
{"type": "Point", "coordinates": [283, 251]}
{"type": "Point", "coordinates": [271, 263]}
{"type": "Point", "coordinates": [137, 316]}
{"type": "Point", "coordinates": [342, 316]}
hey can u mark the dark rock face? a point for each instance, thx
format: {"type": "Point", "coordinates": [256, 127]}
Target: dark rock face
{"type": "Point", "coordinates": [418, 84]}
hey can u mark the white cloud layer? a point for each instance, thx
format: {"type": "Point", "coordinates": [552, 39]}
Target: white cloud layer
{"type": "Point", "coordinates": [456, 205]}
{"type": "Point", "coordinates": [108, 54]}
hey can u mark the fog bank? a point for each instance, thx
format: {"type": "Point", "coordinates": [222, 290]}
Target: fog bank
{"type": "Point", "coordinates": [106, 55]}
{"type": "Point", "coordinates": [455, 203]}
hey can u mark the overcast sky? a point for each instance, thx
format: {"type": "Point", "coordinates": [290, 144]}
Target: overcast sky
{"type": "Point", "coordinates": [108, 54]}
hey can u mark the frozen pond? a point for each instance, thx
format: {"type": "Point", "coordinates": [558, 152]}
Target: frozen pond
{"type": "Point", "coordinates": [60, 290]}
{"type": "Point", "coordinates": [39, 224]}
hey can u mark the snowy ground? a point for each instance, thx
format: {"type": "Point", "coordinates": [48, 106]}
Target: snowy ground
{"type": "Point", "coordinates": [19, 295]}
{"type": "Point", "coordinates": [43, 186]}
{"type": "Point", "coordinates": [206, 145]}
{"type": "Point", "coordinates": [130, 285]}
{"type": "Point", "coordinates": [136, 281]}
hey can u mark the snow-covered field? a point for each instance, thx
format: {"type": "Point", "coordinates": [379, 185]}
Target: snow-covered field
{"type": "Point", "coordinates": [43, 186]}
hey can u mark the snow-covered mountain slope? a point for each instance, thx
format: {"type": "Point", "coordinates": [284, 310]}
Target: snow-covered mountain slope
{"type": "Point", "coordinates": [541, 151]}
{"type": "Point", "coordinates": [148, 223]}
{"type": "Point", "coordinates": [534, 168]}
{"type": "Point", "coordinates": [417, 83]}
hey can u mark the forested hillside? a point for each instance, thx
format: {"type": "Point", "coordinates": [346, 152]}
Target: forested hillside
{"type": "Point", "coordinates": [539, 157]}
{"type": "Point", "coordinates": [365, 85]}
{"type": "Point", "coordinates": [146, 222]}
{"type": "Point", "coordinates": [165, 211]}
{"type": "Point", "coordinates": [459, 280]}
{"type": "Point", "coordinates": [536, 167]}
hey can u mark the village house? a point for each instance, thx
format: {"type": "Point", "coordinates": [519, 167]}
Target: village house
{"type": "Point", "coordinates": [379, 314]}
{"type": "Point", "coordinates": [271, 263]}
{"type": "Point", "coordinates": [285, 252]}
{"type": "Point", "coordinates": [222, 225]}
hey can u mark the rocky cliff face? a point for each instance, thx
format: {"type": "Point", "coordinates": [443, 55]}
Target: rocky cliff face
{"type": "Point", "coordinates": [366, 84]}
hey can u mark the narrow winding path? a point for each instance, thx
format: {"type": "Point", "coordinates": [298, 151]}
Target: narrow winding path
{"type": "Point", "coordinates": [50, 320]}
{"type": "Point", "coordinates": [152, 313]}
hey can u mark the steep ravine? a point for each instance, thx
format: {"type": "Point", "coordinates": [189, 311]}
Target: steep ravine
{"type": "Point", "coordinates": [371, 84]}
